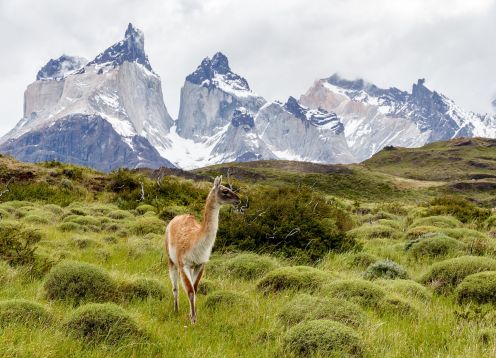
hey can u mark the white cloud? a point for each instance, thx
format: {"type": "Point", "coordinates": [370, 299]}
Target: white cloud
{"type": "Point", "coordinates": [280, 47]}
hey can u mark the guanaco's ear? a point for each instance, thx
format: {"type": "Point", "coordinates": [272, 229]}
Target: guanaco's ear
{"type": "Point", "coordinates": [217, 181]}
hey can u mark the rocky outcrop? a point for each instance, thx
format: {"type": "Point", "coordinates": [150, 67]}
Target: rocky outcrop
{"type": "Point", "coordinates": [87, 140]}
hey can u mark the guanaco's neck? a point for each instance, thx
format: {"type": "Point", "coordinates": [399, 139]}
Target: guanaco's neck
{"type": "Point", "coordinates": [210, 218]}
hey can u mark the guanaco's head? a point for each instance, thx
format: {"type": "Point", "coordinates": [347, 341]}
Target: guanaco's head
{"type": "Point", "coordinates": [223, 194]}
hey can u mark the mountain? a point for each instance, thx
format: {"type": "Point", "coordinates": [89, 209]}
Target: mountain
{"type": "Point", "coordinates": [374, 117]}
{"type": "Point", "coordinates": [117, 92]}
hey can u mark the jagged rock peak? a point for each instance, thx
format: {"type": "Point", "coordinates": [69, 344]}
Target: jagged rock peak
{"type": "Point", "coordinates": [59, 68]}
{"type": "Point", "coordinates": [242, 117]}
{"type": "Point", "coordinates": [212, 68]}
{"type": "Point", "coordinates": [316, 117]}
{"type": "Point", "coordinates": [130, 49]}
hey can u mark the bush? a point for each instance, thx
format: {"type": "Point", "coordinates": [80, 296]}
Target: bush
{"type": "Point", "coordinates": [147, 225]}
{"type": "Point", "coordinates": [435, 246]}
{"type": "Point", "coordinates": [444, 276]}
{"type": "Point", "coordinates": [479, 288]}
{"type": "Point", "coordinates": [489, 223]}
{"type": "Point", "coordinates": [398, 306]}
{"type": "Point", "coordinates": [17, 243]}
{"type": "Point", "coordinates": [145, 208]}
{"type": "Point", "coordinates": [386, 269]}
{"type": "Point", "coordinates": [120, 215]}
{"type": "Point", "coordinates": [154, 237]}
{"type": "Point", "coordinates": [69, 226]}
{"type": "Point", "coordinates": [374, 232]}
{"type": "Point", "coordinates": [35, 219]}
{"type": "Point", "coordinates": [248, 266]}
{"type": "Point", "coordinates": [363, 260]}
{"type": "Point", "coordinates": [360, 291]}
{"type": "Point", "coordinates": [323, 337]}
{"type": "Point", "coordinates": [143, 288]}
{"type": "Point", "coordinates": [437, 221]}
{"type": "Point", "coordinates": [305, 308]}
{"type": "Point", "coordinates": [294, 277]}
{"type": "Point", "coordinates": [458, 207]}
{"type": "Point", "coordinates": [24, 312]}
{"type": "Point", "coordinates": [54, 209]}
{"type": "Point", "coordinates": [407, 288]}
{"type": "Point", "coordinates": [79, 282]}
{"type": "Point", "coordinates": [106, 323]}
{"type": "Point", "coordinates": [421, 231]}
{"type": "Point", "coordinates": [226, 299]}
{"type": "Point", "coordinates": [395, 224]}
{"type": "Point", "coordinates": [7, 273]}
{"type": "Point", "coordinates": [280, 220]}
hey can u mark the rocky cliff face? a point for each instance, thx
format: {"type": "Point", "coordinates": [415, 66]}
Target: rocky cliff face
{"type": "Point", "coordinates": [118, 86]}
{"type": "Point", "coordinates": [374, 117]}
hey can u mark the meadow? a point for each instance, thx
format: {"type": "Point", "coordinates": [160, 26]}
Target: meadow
{"type": "Point", "coordinates": [382, 264]}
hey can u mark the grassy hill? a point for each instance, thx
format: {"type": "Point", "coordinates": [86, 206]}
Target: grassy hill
{"type": "Point", "coordinates": [393, 257]}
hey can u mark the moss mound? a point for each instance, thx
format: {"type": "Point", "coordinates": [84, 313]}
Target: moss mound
{"type": "Point", "coordinates": [306, 308]}
{"type": "Point", "coordinates": [249, 266]}
{"type": "Point", "coordinates": [142, 288]}
{"type": "Point", "coordinates": [220, 299]}
{"type": "Point", "coordinates": [438, 221]}
{"type": "Point", "coordinates": [374, 232]}
{"type": "Point", "coordinates": [294, 277]}
{"type": "Point", "coordinates": [24, 312]}
{"type": "Point", "coordinates": [107, 323]}
{"type": "Point", "coordinates": [78, 282]}
{"type": "Point", "coordinates": [479, 288]}
{"type": "Point", "coordinates": [444, 276]}
{"type": "Point", "coordinates": [360, 291]}
{"type": "Point", "coordinates": [385, 269]}
{"type": "Point", "coordinates": [407, 288]}
{"type": "Point", "coordinates": [435, 246]}
{"type": "Point", "coordinates": [323, 337]}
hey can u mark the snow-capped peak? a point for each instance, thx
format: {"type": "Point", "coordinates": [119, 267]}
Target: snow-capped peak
{"type": "Point", "coordinates": [130, 49]}
{"type": "Point", "coordinates": [215, 73]}
{"type": "Point", "coordinates": [57, 69]}
{"type": "Point", "coordinates": [316, 117]}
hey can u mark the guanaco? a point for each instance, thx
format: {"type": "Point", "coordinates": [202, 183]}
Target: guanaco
{"type": "Point", "coordinates": [189, 243]}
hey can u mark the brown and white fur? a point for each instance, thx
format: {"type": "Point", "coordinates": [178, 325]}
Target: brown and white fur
{"type": "Point", "coordinates": [189, 243]}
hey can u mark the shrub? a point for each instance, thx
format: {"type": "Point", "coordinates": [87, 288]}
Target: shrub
{"type": "Point", "coordinates": [83, 220]}
{"type": "Point", "coordinates": [79, 282]}
{"type": "Point", "coordinates": [363, 259]}
{"type": "Point", "coordinates": [7, 273]}
{"type": "Point", "coordinates": [147, 225]}
{"type": "Point", "coordinates": [444, 276]}
{"type": "Point", "coordinates": [83, 243]}
{"type": "Point", "coordinates": [54, 209]}
{"type": "Point", "coordinates": [110, 239]}
{"type": "Point", "coordinates": [106, 322]}
{"type": "Point", "coordinates": [154, 237]}
{"type": "Point", "coordinates": [458, 207]}
{"type": "Point", "coordinates": [294, 277]}
{"type": "Point", "coordinates": [463, 233]}
{"type": "Point", "coordinates": [420, 231]}
{"type": "Point", "coordinates": [386, 269]}
{"type": "Point", "coordinates": [248, 266]}
{"type": "Point", "coordinates": [398, 306]}
{"type": "Point", "coordinates": [435, 246]}
{"type": "Point", "coordinates": [23, 311]}
{"type": "Point", "coordinates": [69, 226]}
{"type": "Point", "coordinates": [17, 243]}
{"type": "Point", "coordinates": [145, 208]}
{"type": "Point", "coordinates": [374, 232]}
{"type": "Point", "coordinates": [305, 308]}
{"type": "Point", "coordinates": [323, 337]}
{"type": "Point", "coordinates": [408, 288]}
{"type": "Point", "coordinates": [142, 288]}
{"type": "Point", "coordinates": [120, 214]}
{"type": "Point", "coordinates": [35, 219]}
{"type": "Point", "coordinates": [437, 221]}
{"type": "Point", "coordinates": [360, 291]}
{"type": "Point", "coordinates": [219, 299]}
{"type": "Point", "coordinates": [489, 223]}
{"type": "Point", "coordinates": [280, 220]}
{"type": "Point", "coordinates": [397, 225]}
{"type": "Point", "coordinates": [479, 288]}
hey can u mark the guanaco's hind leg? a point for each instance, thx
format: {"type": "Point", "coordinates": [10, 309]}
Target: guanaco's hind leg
{"type": "Point", "coordinates": [173, 276]}
{"type": "Point", "coordinates": [185, 272]}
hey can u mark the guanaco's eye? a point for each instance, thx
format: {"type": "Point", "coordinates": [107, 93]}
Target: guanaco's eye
{"type": "Point", "coordinates": [225, 191]}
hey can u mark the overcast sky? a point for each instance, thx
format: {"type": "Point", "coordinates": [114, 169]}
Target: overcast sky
{"type": "Point", "coordinates": [280, 47]}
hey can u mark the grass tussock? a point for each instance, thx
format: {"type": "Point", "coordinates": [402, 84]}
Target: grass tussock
{"type": "Point", "coordinates": [248, 266]}
{"type": "Point", "coordinates": [223, 299]}
{"type": "Point", "coordinates": [479, 288]}
{"type": "Point", "coordinates": [304, 278]}
{"type": "Point", "coordinates": [19, 311]}
{"type": "Point", "coordinates": [385, 269]}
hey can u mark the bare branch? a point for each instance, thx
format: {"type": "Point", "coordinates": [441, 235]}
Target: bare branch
{"type": "Point", "coordinates": [142, 197]}
{"type": "Point", "coordinates": [6, 190]}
